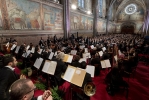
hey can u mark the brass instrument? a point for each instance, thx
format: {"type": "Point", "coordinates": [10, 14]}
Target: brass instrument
{"type": "Point", "coordinates": [89, 89]}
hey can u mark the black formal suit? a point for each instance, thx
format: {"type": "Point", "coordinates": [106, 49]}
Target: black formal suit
{"type": "Point", "coordinates": [87, 79]}
{"type": "Point", "coordinates": [60, 68]}
{"type": "Point", "coordinates": [7, 77]}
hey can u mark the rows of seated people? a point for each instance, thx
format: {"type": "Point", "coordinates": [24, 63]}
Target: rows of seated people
{"type": "Point", "coordinates": [128, 45]}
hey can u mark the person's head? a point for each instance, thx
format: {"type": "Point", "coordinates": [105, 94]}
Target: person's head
{"type": "Point", "coordinates": [83, 64]}
{"type": "Point", "coordinates": [60, 55]}
{"type": "Point", "coordinates": [22, 89]}
{"type": "Point", "coordinates": [10, 60]}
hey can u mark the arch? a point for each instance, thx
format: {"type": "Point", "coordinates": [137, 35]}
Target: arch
{"type": "Point", "coordinates": [128, 28]}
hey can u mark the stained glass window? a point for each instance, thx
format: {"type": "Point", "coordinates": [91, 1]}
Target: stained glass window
{"type": "Point", "coordinates": [100, 4]}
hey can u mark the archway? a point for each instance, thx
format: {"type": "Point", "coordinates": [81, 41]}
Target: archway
{"type": "Point", "coordinates": [127, 29]}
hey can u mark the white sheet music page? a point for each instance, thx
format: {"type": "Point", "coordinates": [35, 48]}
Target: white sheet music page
{"type": "Point", "coordinates": [52, 67]}
{"type": "Point", "coordinates": [55, 54]}
{"type": "Point", "coordinates": [90, 69]}
{"type": "Point", "coordinates": [104, 48]}
{"type": "Point", "coordinates": [100, 53]}
{"type": "Point", "coordinates": [70, 57]}
{"type": "Point", "coordinates": [46, 66]}
{"type": "Point", "coordinates": [107, 62]}
{"type": "Point", "coordinates": [17, 49]}
{"type": "Point", "coordinates": [27, 47]}
{"type": "Point", "coordinates": [85, 50]}
{"type": "Point", "coordinates": [69, 73]}
{"type": "Point", "coordinates": [73, 52]}
{"type": "Point", "coordinates": [82, 59]}
{"type": "Point", "coordinates": [33, 50]}
{"type": "Point", "coordinates": [92, 46]}
{"type": "Point", "coordinates": [13, 46]}
{"type": "Point", "coordinates": [38, 62]}
{"type": "Point", "coordinates": [103, 65]}
{"type": "Point", "coordinates": [86, 55]}
{"type": "Point", "coordinates": [7, 44]}
{"type": "Point", "coordinates": [51, 55]}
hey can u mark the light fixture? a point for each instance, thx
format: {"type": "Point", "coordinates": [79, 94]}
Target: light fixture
{"type": "Point", "coordinates": [130, 9]}
{"type": "Point", "coordinates": [73, 6]}
{"type": "Point", "coordinates": [89, 12]}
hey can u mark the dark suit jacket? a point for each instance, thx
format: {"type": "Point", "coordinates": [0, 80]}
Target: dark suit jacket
{"type": "Point", "coordinates": [87, 79]}
{"type": "Point", "coordinates": [7, 77]}
{"type": "Point", "coordinates": [60, 68]}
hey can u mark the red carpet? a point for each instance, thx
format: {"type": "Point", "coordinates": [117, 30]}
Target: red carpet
{"type": "Point", "coordinates": [139, 86]}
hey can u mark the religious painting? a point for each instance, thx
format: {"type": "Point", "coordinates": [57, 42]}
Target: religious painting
{"type": "Point", "coordinates": [90, 24]}
{"type": "Point", "coordinates": [23, 14]}
{"type": "Point", "coordinates": [75, 21]}
{"type": "Point", "coordinates": [83, 24]}
{"type": "Point", "coordinates": [100, 26]}
{"type": "Point", "coordinates": [53, 18]}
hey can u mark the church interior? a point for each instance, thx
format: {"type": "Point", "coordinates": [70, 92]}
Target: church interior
{"type": "Point", "coordinates": [77, 49]}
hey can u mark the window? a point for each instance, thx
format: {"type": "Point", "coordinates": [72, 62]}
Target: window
{"type": "Point", "coordinates": [100, 4]}
{"type": "Point", "coordinates": [81, 3]}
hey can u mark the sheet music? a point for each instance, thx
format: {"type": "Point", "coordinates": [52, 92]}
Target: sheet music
{"type": "Point", "coordinates": [69, 73]}
{"type": "Point", "coordinates": [82, 59]}
{"type": "Point", "coordinates": [70, 57]}
{"type": "Point", "coordinates": [55, 53]}
{"type": "Point", "coordinates": [51, 55]}
{"type": "Point", "coordinates": [90, 69]}
{"type": "Point", "coordinates": [33, 50]}
{"type": "Point", "coordinates": [46, 66]}
{"type": "Point", "coordinates": [92, 46]}
{"type": "Point", "coordinates": [38, 62]}
{"type": "Point", "coordinates": [14, 45]}
{"type": "Point", "coordinates": [52, 67]}
{"type": "Point", "coordinates": [17, 49]}
{"type": "Point", "coordinates": [26, 53]}
{"type": "Point", "coordinates": [103, 65]}
{"type": "Point", "coordinates": [78, 77]}
{"type": "Point", "coordinates": [27, 47]}
{"type": "Point", "coordinates": [7, 44]}
{"type": "Point", "coordinates": [85, 50]}
{"type": "Point", "coordinates": [107, 62]}
{"type": "Point", "coordinates": [73, 52]}
{"type": "Point", "coordinates": [86, 55]}
{"type": "Point", "coordinates": [100, 53]}
{"type": "Point", "coordinates": [82, 46]}
{"type": "Point", "coordinates": [104, 48]}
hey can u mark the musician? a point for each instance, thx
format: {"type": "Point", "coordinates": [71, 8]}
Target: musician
{"type": "Point", "coordinates": [55, 39]}
{"type": "Point", "coordinates": [24, 89]}
{"type": "Point", "coordinates": [7, 76]}
{"type": "Point", "coordinates": [41, 42]}
{"type": "Point", "coordinates": [48, 41]}
{"type": "Point", "coordinates": [60, 68]}
{"type": "Point", "coordinates": [36, 54]}
{"type": "Point", "coordinates": [75, 61]}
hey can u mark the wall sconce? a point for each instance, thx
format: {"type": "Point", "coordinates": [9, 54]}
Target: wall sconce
{"type": "Point", "coordinates": [73, 6]}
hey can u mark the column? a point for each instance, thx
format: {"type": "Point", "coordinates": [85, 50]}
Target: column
{"type": "Point", "coordinates": [4, 12]}
{"type": "Point", "coordinates": [66, 18]}
{"type": "Point", "coordinates": [96, 14]}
